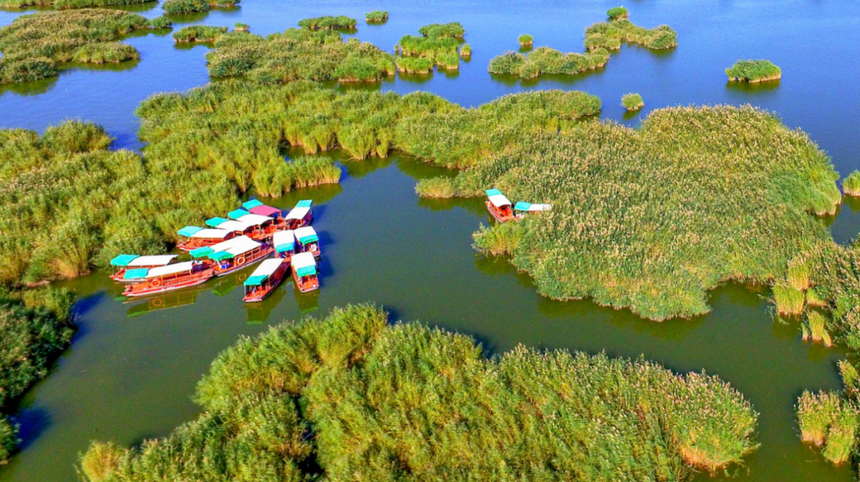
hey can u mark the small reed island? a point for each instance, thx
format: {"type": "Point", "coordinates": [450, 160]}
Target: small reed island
{"type": "Point", "coordinates": [376, 16]}
{"type": "Point", "coordinates": [341, 22]}
{"type": "Point", "coordinates": [601, 39]}
{"type": "Point", "coordinates": [525, 40]}
{"type": "Point", "coordinates": [198, 33]}
{"type": "Point", "coordinates": [851, 184]}
{"type": "Point", "coordinates": [185, 7]}
{"type": "Point", "coordinates": [753, 71]}
{"type": "Point", "coordinates": [632, 102]}
{"type": "Point", "coordinates": [437, 45]}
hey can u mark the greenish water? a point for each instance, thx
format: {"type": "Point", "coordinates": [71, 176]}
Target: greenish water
{"type": "Point", "coordinates": [132, 367]}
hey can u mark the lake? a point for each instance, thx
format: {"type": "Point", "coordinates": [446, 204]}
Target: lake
{"type": "Point", "coordinates": [132, 367]}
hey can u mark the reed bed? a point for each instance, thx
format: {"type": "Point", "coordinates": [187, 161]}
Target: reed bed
{"type": "Point", "coordinates": [364, 393]}
{"type": "Point", "coordinates": [652, 219]}
{"type": "Point", "coordinates": [67, 4]}
{"type": "Point", "coordinates": [465, 51]}
{"type": "Point", "coordinates": [376, 16]}
{"type": "Point", "coordinates": [830, 420]}
{"type": "Point", "coordinates": [851, 184]}
{"type": "Point", "coordinates": [35, 326]}
{"type": "Point", "coordinates": [298, 54]}
{"type": "Point", "coordinates": [329, 23]}
{"type": "Point", "coordinates": [617, 13]}
{"type": "Point", "coordinates": [185, 7]}
{"type": "Point", "coordinates": [241, 27]}
{"type": "Point", "coordinates": [35, 46]}
{"type": "Point", "coordinates": [198, 33]}
{"type": "Point", "coordinates": [632, 102]}
{"type": "Point", "coordinates": [753, 71]}
{"type": "Point", "coordinates": [438, 42]}
{"type": "Point", "coordinates": [525, 40]}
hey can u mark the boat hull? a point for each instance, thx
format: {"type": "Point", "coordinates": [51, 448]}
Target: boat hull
{"type": "Point", "coordinates": [163, 289]}
{"type": "Point", "coordinates": [254, 261]}
{"type": "Point", "coordinates": [499, 217]}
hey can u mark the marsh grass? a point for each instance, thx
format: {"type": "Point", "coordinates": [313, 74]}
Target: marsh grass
{"type": "Point", "coordinates": [198, 33]}
{"type": "Point", "coordinates": [186, 7]}
{"type": "Point", "coordinates": [36, 46]}
{"type": "Point", "coordinates": [632, 102]}
{"type": "Point", "coordinates": [617, 13]}
{"type": "Point", "coordinates": [241, 27]}
{"type": "Point", "coordinates": [465, 51]}
{"type": "Point", "coordinates": [367, 393]}
{"type": "Point", "coordinates": [67, 4]}
{"type": "Point", "coordinates": [753, 71]}
{"type": "Point", "coordinates": [830, 420]}
{"type": "Point", "coordinates": [503, 239]}
{"type": "Point", "coordinates": [340, 22]}
{"type": "Point", "coordinates": [851, 184]}
{"type": "Point", "coordinates": [298, 54]}
{"type": "Point", "coordinates": [438, 43]}
{"type": "Point", "coordinates": [788, 300]}
{"type": "Point", "coordinates": [816, 326]}
{"type": "Point", "coordinates": [525, 40]}
{"type": "Point", "coordinates": [376, 16]}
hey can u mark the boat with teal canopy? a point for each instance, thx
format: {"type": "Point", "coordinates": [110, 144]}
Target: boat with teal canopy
{"type": "Point", "coordinates": [215, 222]}
{"type": "Point", "coordinates": [237, 213]}
{"type": "Point", "coordinates": [249, 205]}
{"type": "Point", "coordinates": [189, 231]}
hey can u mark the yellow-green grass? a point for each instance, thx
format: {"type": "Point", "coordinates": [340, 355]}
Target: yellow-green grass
{"type": "Point", "coordinates": [36, 46]}
{"type": "Point", "coordinates": [831, 420]}
{"type": "Point", "coordinates": [350, 394]}
{"type": "Point", "coordinates": [298, 54]}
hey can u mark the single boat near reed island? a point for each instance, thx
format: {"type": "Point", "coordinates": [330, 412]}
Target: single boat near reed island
{"type": "Point", "coordinates": [170, 277]}
{"type": "Point", "coordinates": [132, 267]}
{"type": "Point", "coordinates": [308, 241]}
{"type": "Point", "coordinates": [265, 279]}
{"type": "Point", "coordinates": [301, 215]}
{"type": "Point", "coordinates": [285, 244]}
{"type": "Point", "coordinates": [234, 254]}
{"type": "Point", "coordinates": [197, 237]}
{"type": "Point", "coordinates": [522, 208]}
{"type": "Point", "coordinates": [499, 206]}
{"type": "Point", "coordinates": [305, 272]}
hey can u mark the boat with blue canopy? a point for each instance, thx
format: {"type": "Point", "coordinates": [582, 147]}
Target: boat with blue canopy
{"type": "Point", "coordinates": [305, 273]}
{"type": "Point", "coordinates": [301, 215]}
{"type": "Point", "coordinates": [522, 207]}
{"type": "Point", "coordinates": [237, 253]}
{"type": "Point", "coordinates": [199, 237]}
{"type": "Point", "coordinates": [499, 206]}
{"type": "Point", "coordinates": [285, 244]}
{"type": "Point", "coordinates": [168, 278]}
{"type": "Point", "coordinates": [265, 279]}
{"type": "Point", "coordinates": [125, 262]}
{"type": "Point", "coordinates": [307, 241]}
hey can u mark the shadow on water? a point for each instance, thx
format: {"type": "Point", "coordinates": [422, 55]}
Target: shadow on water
{"type": "Point", "coordinates": [32, 422]}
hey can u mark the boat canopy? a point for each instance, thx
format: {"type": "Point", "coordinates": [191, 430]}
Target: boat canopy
{"type": "Point", "coordinates": [189, 231]}
{"type": "Point", "coordinates": [251, 204]}
{"type": "Point", "coordinates": [232, 225]}
{"type": "Point", "coordinates": [136, 273]}
{"type": "Point", "coordinates": [284, 241]}
{"type": "Point", "coordinates": [170, 269]}
{"type": "Point", "coordinates": [237, 213]}
{"type": "Point", "coordinates": [306, 234]}
{"type": "Point", "coordinates": [267, 268]}
{"type": "Point", "coordinates": [215, 222]}
{"type": "Point", "coordinates": [299, 212]}
{"type": "Point", "coordinates": [201, 252]}
{"type": "Point", "coordinates": [210, 233]}
{"type": "Point", "coordinates": [152, 261]}
{"type": "Point", "coordinates": [255, 219]}
{"type": "Point", "coordinates": [304, 264]}
{"type": "Point", "coordinates": [123, 259]}
{"type": "Point", "coordinates": [497, 198]}
{"type": "Point", "coordinates": [236, 246]}
{"type": "Point", "coordinates": [304, 203]}
{"type": "Point", "coordinates": [220, 256]}
{"type": "Point", "coordinates": [267, 211]}
{"type": "Point", "coordinates": [531, 208]}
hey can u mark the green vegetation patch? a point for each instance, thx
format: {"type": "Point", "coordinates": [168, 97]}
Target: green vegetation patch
{"type": "Point", "coordinates": [35, 326]}
{"type": "Point", "coordinates": [632, 101]}
{"type": "Point", "coordinates": [617, 13]}
{"type": "Point", "coordinates": [35, 46]}
{"type": "Point", "coordinates": [352, 395]}
{"type": "Point", "coordinates": [67, 4]}
{"type": "Point", "coordinates": [651, 219]}
{"type": "Point", "coordinates": [68, 203]}
{"type": "Point", "coordinates": [298, 54]}
{"type": "Point", "coordinates": [184, 7]}
{"type": "Point", "coordinates": [525, 40]}
{"type": "Point", "coordinates": [753, 71]}
{"type": "Point", "coordinates": [851, 184]}
{"type": "Point", "coordinates": [329, 23]}
{"type": "Point", "coordinates": [831, 421]}
{"type": "Point", "coordinates": [439, 43]}
{"type": "Point", "coordinates": [198, 33]}
{"type": "Point", "coordinates": [376, 16]}
{"type": "Point", "coordinates": [600, 40]}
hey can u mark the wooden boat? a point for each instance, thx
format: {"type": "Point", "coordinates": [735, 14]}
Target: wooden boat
{"type": "Point", "coordinates": [256, 207]}
{"type": "Point", "coordinates": [307, 241]}
{"type": "Point", "coordinates": [522, 208]}
{"type": "Point", "coordinates": [234, 254]}
{"type": "Point", "coordinates": [265, 279]}
{"type": "Point", "coordinates": [301, 215]}
{"type": "Point", "coordinates": [499, 206]}
{"type": "Point", "coordinates": [128, 268]}
{"type": "Point", "coordinates": [264, 226]}
{"type": "Point", "coordinates": [197, 237]}
{"type": "Point", "coordinates": [305, 272]}
{"type": "Point", "coordinates": [285, 244]}
{"type": "Point", "coordinates": [170, 277]}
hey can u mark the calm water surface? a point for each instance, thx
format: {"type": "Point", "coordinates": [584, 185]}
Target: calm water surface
{"type": "Point", "coordinates": [132, 367]}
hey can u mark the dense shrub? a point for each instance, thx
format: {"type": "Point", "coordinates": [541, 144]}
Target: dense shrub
{"type": "Point", "coordinates": [406, 402]}
{"type": "Point", "coordinates": [753, 71]}
{"type": "Point", "coordinates": [34, 46]}
{"type": "Point", "coordinates": [298, 54]}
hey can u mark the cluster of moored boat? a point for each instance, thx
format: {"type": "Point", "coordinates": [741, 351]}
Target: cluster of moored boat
{"type": "Point", "coordinates": [503, 210]}
{"type": "Point", "coordinates": [249, 235]}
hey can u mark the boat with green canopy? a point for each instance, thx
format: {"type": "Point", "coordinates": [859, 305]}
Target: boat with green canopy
{"type": "Point", "coordinates": [170, 277]}
{"type": "Point", "coordinates": [305, 272]}
{"type": "Point", "coordinates": [521, 208]}
{"type": "Point", "coordinates": [196, 237]}
{"type": "Point", "coordinates": [130, 267]}
{"type": "Point", "coordinates": [301, 215]}
{"type": "Point", "coordinates": [234, 254]}
{"type": "Point", "coordinates": [499, 206]}
{"type": "Point", "coordinates": [285, 244]}
{"type": "Point", "coordinates": [307, 240]}
{"type": "Point", "coordinates": [265, 279]}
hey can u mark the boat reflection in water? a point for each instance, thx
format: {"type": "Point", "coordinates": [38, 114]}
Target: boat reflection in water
{"type": "Point", "coordinates": [171, 299]}
{"type": "Point", "coordinates": [259, 313]}
{"type": "Point", "coordinates": [309, 301]}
